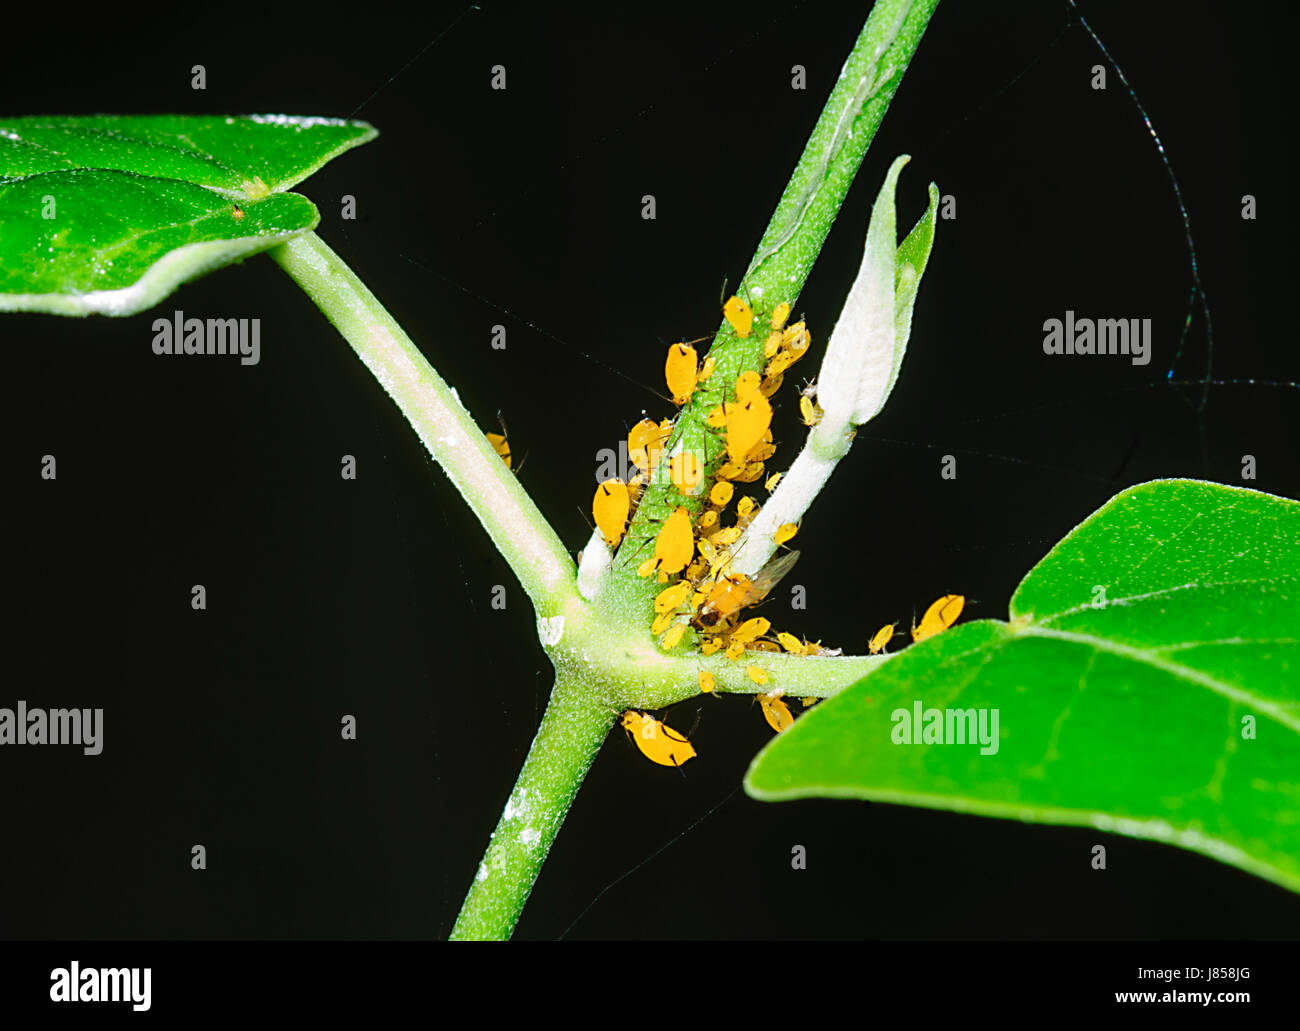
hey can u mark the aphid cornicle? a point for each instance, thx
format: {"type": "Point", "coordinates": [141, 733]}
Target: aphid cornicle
{"type": "Point", "coordinates": [939, 617]}
{"type": "Point", "coordinates": [657, 741]}
{"type": "Point", "coordinates": [609, 508]}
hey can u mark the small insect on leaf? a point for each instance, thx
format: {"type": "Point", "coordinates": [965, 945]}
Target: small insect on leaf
{"type": "Point", "coordinates": [687, 471]}
{"type": "Point", "coordinates": [721, 494]}
{"type": "Point", "coordinates": [747, 421]}
{"type": "Point", "coordinates": [810, 411]}
{"type": "Point", "coordinates": [759, 677]}
{"type": "Point", "coordinates": [785, 532]}
{"type": "Point", "coordinates": [501, 446]}
{"type": "Point", "coordinates": [881, 638]}
{"type": "Point", "coordinates": [707, 522]}
{"type": "Point", "coordinates": [776, 712]}
{"type": "Point", "coordinates": [706, 370]}
{"type": "Point", "coordinates": [790, 643]}
{"type": "Point", "coordinates": [772, 481]}
{"type": "Point", "coordinates": [751, 630]}
{"type": "Point", "coordinates": [707, 684]}
{"type": "Point", "coordinates": [657, 741]}
{"type": "Point", "coordinates": [237, 213]}
{"type": "Point", "coordinates": [747, 384]}
{"type": "Point", "coordinates": [609, 508]}
{"type": "Point", "coordinates": [740, 315]}
{"type": "Point", "coordinates": [681, 370]}
{"type": "Point", "coordinates": [939, 617]}
{"type": "Point", "coordinates": [673, 598]}
{"type": "Point", "coordinates": [256, 189]}
{"type": "Point", "coordinates": [779, 314]}
{"type": "Point", "coordinates": [675, 544]}
{"type": "Point", "coordinates": [671, 639]}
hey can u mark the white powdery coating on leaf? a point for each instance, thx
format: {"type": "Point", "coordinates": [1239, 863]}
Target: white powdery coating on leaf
{"type": "Point", "coordinates": [549, 631]}
{"type": "Point", "coordinates": [530, 836]}
{"type": "Point", "coordinates": [482, 874]}
{"type": "Point", "coordinates": [298, 121]}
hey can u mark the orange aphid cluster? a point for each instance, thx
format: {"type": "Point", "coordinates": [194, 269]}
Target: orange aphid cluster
{"type": "Point", "coordinates": [707, 597]}
{"type": "Point", "coordinates": [692, 554]}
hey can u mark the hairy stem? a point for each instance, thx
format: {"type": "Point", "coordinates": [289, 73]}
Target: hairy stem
{"type": "Point", "coordinates": [572, 731]}
{"type": "Point", "coordinates": [446, 429]}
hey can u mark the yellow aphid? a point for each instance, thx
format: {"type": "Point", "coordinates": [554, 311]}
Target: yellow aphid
{"type": "Point", "coordinates": [810, 410]}
{"type": "Point", "coordinates": [717, 558]}
{"type": "Point", "coordinates": [746, 424]}
{"type": "Point", "coordinates": [779, 314]}
{"type": "Point", "coordinates": [757, 675]}
{"type": "Point", "coordinates": [647, 567]}
{"type": "Point", "coordinates": [706, 523]}
{"type": "Point", "coordinates": [753, 471]}
{"type": "Point", "coordinates": [780, 363]}
{"type": "Point", "coordinates": [735, 650]}
{"type": "Point", "coordinates": [725, 538]}
{"type": "Point", "coordinates": [706, 370]}
{"type": "Point", "coordinates": [939, 617]}
{"type": "Point", "coordinates": [771, 384]}
{"type": "Point", "coordinates": [662, 622]}
{"type": "Point", "coordinates": [694, 571]}
{"type": "Point", "coordinates": [790, 643]}
{"type": "Point", "coordinates": [609, 508]}
{"type": "Point", "coordinates": [772, 345]}
{"type": "Point", "coordinates": [681, 370]}
{"type": "Point", "coordinates": [721, 494]}
{"type": "Point", "coordinates": [687, 471]}
{"type": "Point", "coordinates": [658, 742]}
{"type": "Point", "coordinates": [645, 443]}
{"type": "Point", "coordinates": [772, 481]}
{"type": "Point", "coordinates": [880, 638]}
{"type": "Point", "coordinates": [717, 418]}
{"type": "Point", "coordinates": [740, 315]}
{"type": "Point", "coordinates": [796, 339]}
{"type": "Point", "coordinates": [676, 542]}
{"type": "Point", "coordinates": [764, 646]}
{"type": "Point", "coordinates": [670, 640]}
{"type": "Point", "coordinates": [785, 532]}
{"type": "Point", "coordinates": [236, 212]}
{"type": "Point", "coordinates": [707, 684]}
{"type": "Point", "coordinates": [746, 508]}
{"type": "Point", "coordinates": [671, 600]}
{"type": "Point", "coordinates": [751, 630]}
{"type": "Point", "coordinates": [501, 446]}
{"type": "Point", "coordinates": [730, 470]}
{"type": "Point", "coordinates": [747, 383]}
{"type": "Point", "coordinates": [776, 712]}
{"type": "Point", "coordinates": [710, 646]}
{"type": "Point", "coordinates": [809, 701]}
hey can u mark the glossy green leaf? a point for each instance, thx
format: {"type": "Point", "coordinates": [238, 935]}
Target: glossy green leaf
{"type": "Point", "coordinates": [109, 214]}
{"type": "Point", "coordinates": [1148, 683]}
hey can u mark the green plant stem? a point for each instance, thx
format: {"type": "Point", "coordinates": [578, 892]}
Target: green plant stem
{"type": "Point", "coordinates": [446, 429]}
{"type": "Point", "coordinates": [573, 729]}
{"type": "Point", "coordinates": [788, 249]}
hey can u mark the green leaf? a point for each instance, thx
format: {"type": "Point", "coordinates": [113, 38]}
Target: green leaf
{"type": "Point", "coordinates": [109, 214]}
{"type": "Point", "coordinates": [1147, 684]}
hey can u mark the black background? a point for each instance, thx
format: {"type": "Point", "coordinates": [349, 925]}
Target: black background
{"type": "Point", "coordinates": [523, 208]}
